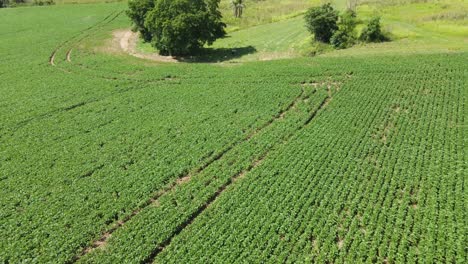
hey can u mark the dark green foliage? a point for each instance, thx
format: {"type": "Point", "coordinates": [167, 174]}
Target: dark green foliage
{"type": "Point", "coordinates": [178, 27]}
{"type": "Point", "coordinates": [341, 40]}
{"type": "Point", "coordinates": [322, 22]}
{"type": "Point", "coordinates": [137, 12]}
{"type": "Point", "coordinates": [373, 32]}
{"type": "Point", "coordinates": [11, 3]}
{"type": "Point", "coordinates": [43, 2]}
{"type": "Point", "coordinates": [345, 36]}
{"type": "Point", "coordinates": [348, 21]}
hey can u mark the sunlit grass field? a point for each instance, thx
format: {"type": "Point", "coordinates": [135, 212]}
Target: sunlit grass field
{"type": "Point", "coordinates": [429, 27]}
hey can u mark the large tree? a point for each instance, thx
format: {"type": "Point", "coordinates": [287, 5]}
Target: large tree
{"type": "Point", "coordinates": [178, 27]}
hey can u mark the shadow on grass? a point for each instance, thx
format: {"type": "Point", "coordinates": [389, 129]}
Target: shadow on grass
{"type": "Point", "coordinates": [218, 54]}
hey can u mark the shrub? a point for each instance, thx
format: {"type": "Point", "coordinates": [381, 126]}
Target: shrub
{"type": "Point", "coordinates": [43, 2]}
{"type": "Point", "coordinates": [137, 12]}
{"type": "Point", "coordinates": [11, 3]}
{"type": "Point", "coordinates": [341, 40]}
{"type": "Point", "coordinates": [345, 36]}
{"type": "Point", "coordinates": [322, 22]}
{"type": "Point", "coordinates": [372, 32]}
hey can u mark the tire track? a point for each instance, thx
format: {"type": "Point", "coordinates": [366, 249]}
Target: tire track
{"type": "Point", "coordinates": [322, 105]}
{"type": "Point", "coordinates": [233, 179]}
{"type": "Point", "coordinates": [102, 241]}
{"type": "Point", "coordinates": [61, 45]}
{"type": "Point", "coordinates": [201, 209]}
{"type": "Point", "coordinates": [91, 73]}
{"type": "Point", "coordinates": [100, 76]}
{"type": "Point", "coordinates": [69, 55]}
{"type": "Point", "coordinates": [48, 114]}
{"type": "Point", "coordinates": [101, 24]}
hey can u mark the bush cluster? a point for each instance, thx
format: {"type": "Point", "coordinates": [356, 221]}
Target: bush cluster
{"type": "Point", "coordinates": [43, 2]}
{"type": "Point", "coordinates": [372, 32]}
{"type": "Point", "coordinates": [328, 26]}
{"type": "Point", "coordinates": [14, 3]}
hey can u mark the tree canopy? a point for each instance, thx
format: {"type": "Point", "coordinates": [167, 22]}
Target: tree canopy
{"type": "Point", "coordinates": [177, 27]}
{"type": "Point", "coordinates": [345, 36]}
{"type": "Point", "coordinates": [373, 32]}
{"type": "Point", "coordinates": [322, 22]}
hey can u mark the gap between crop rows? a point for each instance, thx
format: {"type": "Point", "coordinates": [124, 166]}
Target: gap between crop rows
{"type": "Point", "coordinates": [105, 21]}
{"type": "Point", "coordinates": [180, 180]}
{"type": "Point", "coordinates": [102, 240]}
{"type": "Point", "coordinates": [233, 179]}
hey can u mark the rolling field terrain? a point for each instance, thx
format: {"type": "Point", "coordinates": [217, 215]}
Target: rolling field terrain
{"type": "Point", "coordinates": [415, 27]}
{"type": "Point", "coordinates": [352, 156]}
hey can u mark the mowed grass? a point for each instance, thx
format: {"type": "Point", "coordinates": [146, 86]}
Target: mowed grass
{"type": "Point", "coordinates": [271, 41]}
{"type": "Point", "coordinates": [107, 158]}
{"type": "Point", "coordinates": [263, 12]}
{"type": "Point", "coordinates": [414, 28]}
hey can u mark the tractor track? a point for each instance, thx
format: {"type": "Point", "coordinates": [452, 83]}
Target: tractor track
{"type": "Point", "coordinates": [181, 179]}
{"type": "Point", "coordinates": [102, 240]}
{"type": "Point", "coordinates": [160, 248]}
{"type": "Point", "coordinates": [105, 21]}
{"type": "Point", "coordinates": [154, 200]}
{"type": "Point", "coordinates": [48, 114]}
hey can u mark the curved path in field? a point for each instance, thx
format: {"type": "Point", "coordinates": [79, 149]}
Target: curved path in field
{"type": "Point", "coordinates": [127, 41]}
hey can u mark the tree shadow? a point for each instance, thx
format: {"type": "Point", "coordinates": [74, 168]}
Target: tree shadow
{"type": "Point", "coordinates": [218, 54]}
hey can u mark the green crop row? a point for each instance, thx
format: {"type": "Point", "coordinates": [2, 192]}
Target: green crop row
{"type": "Point", "coordinates": [108, 158]}
{"type": "Point", "coordinates": [335, 193]}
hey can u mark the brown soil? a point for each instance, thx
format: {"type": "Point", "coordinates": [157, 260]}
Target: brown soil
{"type": "Point", "coordinates": [69, 55]}
{"type": "Point", "coordinates": [52, 58]}
{"type": "Point", "coordinates": [125, 40]}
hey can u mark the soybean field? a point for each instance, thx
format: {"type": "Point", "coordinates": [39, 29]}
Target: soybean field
{"type": "Point", "coordinates": [106, 157]}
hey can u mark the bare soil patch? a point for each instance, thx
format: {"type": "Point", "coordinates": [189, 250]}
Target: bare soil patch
{"type": "Point", "coordinates": [126, 40]}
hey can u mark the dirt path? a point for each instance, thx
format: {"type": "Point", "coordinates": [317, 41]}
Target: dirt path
{"type": "Point", "coordinates": [126, 41]}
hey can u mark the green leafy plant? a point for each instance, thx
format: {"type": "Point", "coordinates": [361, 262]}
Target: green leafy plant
{"type": "Point", "coordinates": [137, 10]}
{"type": "Point", "coordinates": [43, 2]}
{"type": "Point", "coordinates": [3, 3]}
{"type": "Point", "coordinates": [345, 36]}
{"type": "Point", "coordinates": [322, 22]}
{"type": "Point", "coordinates": [373, 32]}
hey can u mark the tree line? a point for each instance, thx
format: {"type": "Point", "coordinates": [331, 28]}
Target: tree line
{"type": "Point", "coordinates": [14, 3]}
